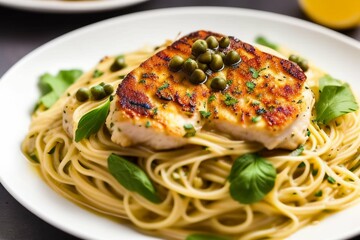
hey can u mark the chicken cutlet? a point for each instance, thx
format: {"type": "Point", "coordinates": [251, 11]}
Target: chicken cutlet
{"type": "Point", "coordinates": [253, 96]}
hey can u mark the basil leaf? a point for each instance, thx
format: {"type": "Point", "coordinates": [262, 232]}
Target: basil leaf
{"type": "Point", "coordinates": [52, 87]}
{"type": "Point", "coordinates": [336, 99]}
{"type": "Point", "coordinates": [199, 236]}
{"type": "Point", "coordinates": [132, 177]}
{"type": "Point", "coordinates": [251, 178]}
{"type": "Point", "coordinates": [92, 121]}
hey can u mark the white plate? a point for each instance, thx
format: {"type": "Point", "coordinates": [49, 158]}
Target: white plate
{"type": "Point", "coordinates": [83, 48]}
{"type": "Point", "coordinates": [61, 6]}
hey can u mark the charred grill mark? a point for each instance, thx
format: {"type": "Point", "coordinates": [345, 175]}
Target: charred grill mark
{"type": "Point", "coordinates": [163, 56]}
{"type": "Point", "coordinates": [249, 48]}
{"type": "Point", "coordinates": [293, 69]}
{"type": "Point", "coordinates": [164, 95]}
{"type": "Point", "coordinates": [133, 100]}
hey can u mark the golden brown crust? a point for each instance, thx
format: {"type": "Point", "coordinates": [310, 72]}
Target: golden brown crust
{"type": "Point", "coordinates": [274, 95]}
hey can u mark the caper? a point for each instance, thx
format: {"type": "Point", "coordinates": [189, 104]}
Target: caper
{"type": "Point", "coordinates": [224, 42]}
{"type": "Point", "coordinates": [199, 47]}
{"type": "Point", "coordinates": [212, 42]}
{"type": "Point", "coordinates": [217, 63]}
{"type": "Point", "coordinates": [118, 64]}
{"type": "Point", "coordinates": [189, 66]}
{"type": "Point", "coordinates": [176, 63]}
{"type": "Point", "coordinates": [98, 92]}
{"type": "Point", "coordinates": [202, 66]}
{"type": "Point", "coordinates": [304, 65]}
{"type": "Point", "coordinates": [221, 54]}
{"type": "Point", "coordinates": [205, 57]}
{"type": "Point", "coordinates": [294, 58]}
{"type": "Point", "coordinates": [198, 76]}
{"type": "Point", "coordinates": [82, 94]}
{"type": "Point", "coordinates": [232, 57]}
{"type": "Point", "coordinates": [108, 89]}
{"type": "Point", "coordinates": [218, 84]}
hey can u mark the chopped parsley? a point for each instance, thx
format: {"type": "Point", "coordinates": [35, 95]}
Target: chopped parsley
{"type": "Point", "coordinates": [190, 130]}
{"type": "Point", "coordinates": [212, 98]}
{"type": "Point", "coordinates": [164, 86]}
{"type": "Point", "coordinates": [254, 72]}
{"type": "Point", "coordinates": [331, 180]}
{"type": "Point", "coordinates": [260, 111]}
{"type": "Point", "coordinates": [189, 94]}
{"type": "Point", "coordinates": [308, 133]}
{"type": "Point", "coordinates": [256, 119]}
{"type": "Point", "coordinates": [205, 114]}
{"type": "Point", "coordinates": [148, 124]}
{"type": "Point", "coordinates": [229, 100]}
{"type": "Point", "coordinates": [318, 193]}
{"type": "Point", "coordinates": [97, 73]}
{"type": "Point", "coordinates": [155, 111]}
{"type": "Point", "coordinates": [250, 86]}
{"type": "Point", "coordinates": [142, 81]}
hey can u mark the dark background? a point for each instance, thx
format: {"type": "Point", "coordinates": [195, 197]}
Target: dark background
{"type": "Point", "coordinates": [21, 32]}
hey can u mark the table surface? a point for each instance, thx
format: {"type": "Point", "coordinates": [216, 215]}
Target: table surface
{"type": "Point", "coordinates": [22, 32]}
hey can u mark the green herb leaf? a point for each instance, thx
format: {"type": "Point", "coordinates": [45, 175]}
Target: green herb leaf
{"type": "Point", "coordinates": [318, 193]}
{"type": "Point", "coordinates": [92, 121]}
{"type": "Point", "coordinates": [298, 151]}
{"type": "Point", "coordinates": [52, 87]}
{"type": "Point", "coordinates": [263, 41]}
{"type": "Point", "coordinates": [250, 86]}
{"type": "Point", "coordinates": [200, 236]}
{"type": "Point", "coordinates": [132, 177]}
{"type": "Point", "coordinates": [164, 86]}
{"type": "Point", "coordinates": [336, 99]}
{"type": "Point", "coordinates": [211, 98]}
{"type": "Point", "coordinates": [331, 180]}
{"type": "Point", "coordinates": [148, 124]}
{"type": "Point", "coordinates": [256, 119]}
{"type": "Point", "coordinates": [229, 100]}
{"type": "Point", "coordinates": [205, 114]}
{"type": "Point", "coordinates": [251, 178]}
{"type": "Point", "coordinates": [190, 130]}
{"type": "Point", "coordinates": [97, 73]}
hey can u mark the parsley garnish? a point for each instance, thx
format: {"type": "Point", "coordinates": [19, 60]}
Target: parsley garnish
{"type": "Point", "coordinates": [205, 114]}
{"type": "Point", "coordinates": [155, 111]}
{"type": "Point", "coordinates": [97, 73]}
{"type": "Point", "coordinates": [148, 124]}
{"type": "Point", "coordinates": [254, 72]}
{"type": "Point", "coordinates": [331, 180]}
{"type": "Point", "coordinates": [190, 130]}
{"type": "Point", "coordinates": [308, 133]}
{"type": "Point", "coordinates": [164, 86]}
{"type": "Point", "coordinates": [229, 100]}
{"type": "Point", "coordinates": [250, 86]}
{"type": "Point", "coordinates": [336, 99]}
{"type": "Point", "coordinates": [255, 119]}
{"type": "Point", "coordinates": [142, 81]}
{"type": "Point", "coordinates": [212, 98]}
{"type": "Point", "coordinates": [318, 193]}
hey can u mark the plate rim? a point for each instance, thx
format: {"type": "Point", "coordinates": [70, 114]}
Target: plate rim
{"type": "Point", "coordinates": [68, 7]}
{"type": "Point", "coordinates": [145, 14]}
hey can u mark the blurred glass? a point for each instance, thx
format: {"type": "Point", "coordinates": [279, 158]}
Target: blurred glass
{"type": "Point", "coordinates": [337, 14]}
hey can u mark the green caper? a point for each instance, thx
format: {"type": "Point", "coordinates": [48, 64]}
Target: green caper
{"type": "Point", "coordinates": [224, 42]}
{"type": "Point", "coordinates": [294, 58]}
{"type": "Point", "coordinates": [198, 76]}
{"type": "Point", "coordinates": [189, 66]}
{"type": "Point", "coordinates": [232, 57]}
{"type": "Point", "coordinates": [212, 42]}
{"type": "Point", "coordinates": [304, 65]}
{"type": "Point", "coordinates": [199, 47]}
{"type": "Point", "coordinates": [205, 57]}
{"type": "Point", "coordinates": [202, 66]}
{"type": "Point", "coordinates": [82, 94]}
{"type": "Point", "coordinates": [118, 64]}
{"type": "Point", "coordinates": [98, 92]}
{"type": "Point", "coordinates": [176, 63]}
{"type": "Point", "coordinates": [218, 84]}
{"type": "Point", "coordinates": [108, 89]}
{"type": "Point", "coordinates": [217, 63]}
{"type": "Point", "coordinates": [221, 54]}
